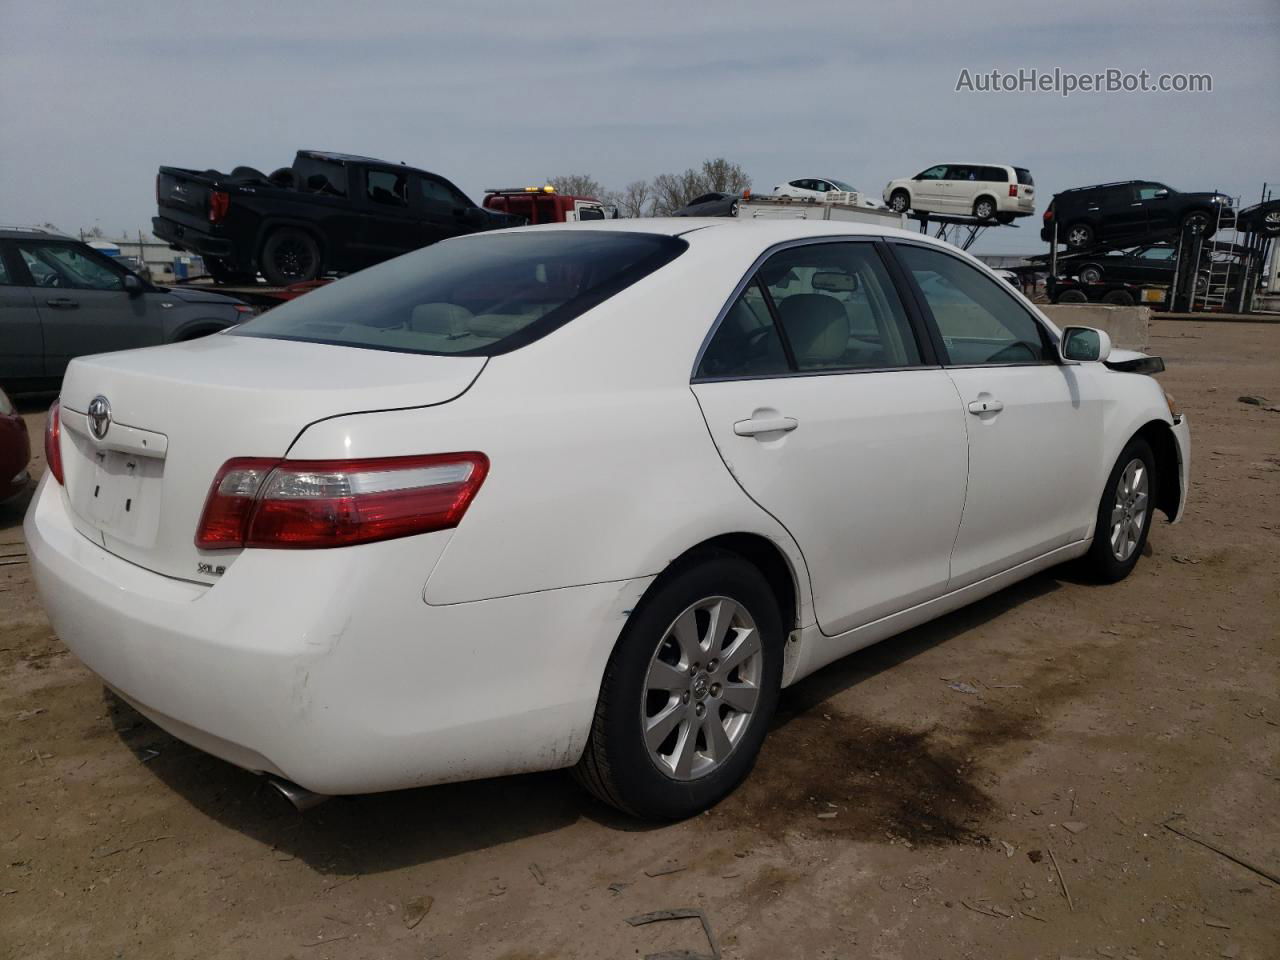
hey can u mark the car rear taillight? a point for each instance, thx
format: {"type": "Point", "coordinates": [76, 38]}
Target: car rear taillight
{"type": "Point", "coordinates": [53, 442]}
{"type": "Point", "coordinates": [219, 204]}
{"type": "Point", "coordinates": [334, 503]}
{"type": "Point", "coordinates": [1048, 214]}
{"type": "Point", "coordinates": [1013, 189]}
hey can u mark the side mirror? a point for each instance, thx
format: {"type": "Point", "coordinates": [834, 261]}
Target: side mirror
{"type": "Point", "coordinates": [1159, 194]}
{"type": "Point", "coordinates": [133, 286]}
{"type": "Point", "coordinates": [1084, 345]}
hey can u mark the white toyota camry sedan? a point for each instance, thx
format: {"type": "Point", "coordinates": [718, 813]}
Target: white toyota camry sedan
{"type": "Point", "coordinates": [580, 496]}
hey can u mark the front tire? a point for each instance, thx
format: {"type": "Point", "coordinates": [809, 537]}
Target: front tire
{"type": "Point", "coordinates": [1199, 220]}
{"type": "Point", "coordinates": [1124, 514]}
{"type": "Point", "coordinates": [899, 201]}
{"type": "Point", "coordinates": [688, 693]}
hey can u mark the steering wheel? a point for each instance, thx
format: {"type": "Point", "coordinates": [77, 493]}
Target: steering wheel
{"type": "Point", "coordinates": [52, 280]}
{"type": "Point", "coordinates": [1015, 353]}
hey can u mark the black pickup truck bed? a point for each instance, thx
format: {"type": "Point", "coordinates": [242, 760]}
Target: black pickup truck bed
{"type": "Point", "coordinates": [327, 213]}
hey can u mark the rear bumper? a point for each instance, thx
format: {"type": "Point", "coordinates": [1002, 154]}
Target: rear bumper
{"type": "Point", "coordinates": [327, 667]}
{"type": "Point", "coordinates": [187, 238]}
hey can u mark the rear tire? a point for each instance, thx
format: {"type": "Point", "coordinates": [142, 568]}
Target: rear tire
{"type": "Point", "coordinates": [1124, 514]}
{"type": "Point", "coordinates": [1072, 296]}
{"type": "Point", "coordinates": [1079, 236]}
{"type": "Point", "coordinates": [662, 683]}
{"type": "Point", "coordinates": [899, 201]}
{"type": "Point", "coordinates": [1091, 274]}
{"type": "Point", "coordinates": [1119, 298]}
{"type": "Point", "coordinates": [290, 256]}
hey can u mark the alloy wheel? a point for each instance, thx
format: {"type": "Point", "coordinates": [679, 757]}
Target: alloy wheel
{"type": "Point", "coordinates": [702, 688]}
{"type": "Point", "coordinates": [293, 259]}
{"type": "Point", "coordinates": [1129, 513]}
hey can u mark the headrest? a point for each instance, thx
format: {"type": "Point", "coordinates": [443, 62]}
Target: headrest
{"type": "Point", "coordinates": [817, 327]}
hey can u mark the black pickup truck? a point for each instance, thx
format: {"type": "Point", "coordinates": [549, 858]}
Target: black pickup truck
{"type": "Point", "coordinates": [327, 213]}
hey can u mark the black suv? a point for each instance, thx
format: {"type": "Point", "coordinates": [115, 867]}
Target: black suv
{"type": "Point", "coordinates": [1133, 209]}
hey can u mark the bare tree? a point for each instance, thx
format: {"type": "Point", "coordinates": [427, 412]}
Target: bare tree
{"type": "Point", "coordinates": [723, 176]}
{"type": "Point", "coordinates": [671, 191]}
{"type": "Point", "coordinates": [633, 199]}
{"type": "Point", "coordinates": [577, 185]}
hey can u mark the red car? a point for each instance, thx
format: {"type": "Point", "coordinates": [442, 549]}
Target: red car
{"type": "Point", "coordinates": [15, 451]}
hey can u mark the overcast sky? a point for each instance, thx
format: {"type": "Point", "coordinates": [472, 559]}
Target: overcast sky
{"type": "Point", "coordinates": [95, 95]}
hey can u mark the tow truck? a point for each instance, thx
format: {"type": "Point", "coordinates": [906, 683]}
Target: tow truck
{"type": "Point", "coordinates": [545, 205]}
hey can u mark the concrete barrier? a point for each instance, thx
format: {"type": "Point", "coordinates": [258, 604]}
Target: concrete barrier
{"type": "Point", "coordinates": [1128, 327]}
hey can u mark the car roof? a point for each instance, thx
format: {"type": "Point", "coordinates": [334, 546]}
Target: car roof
{"type": "Point", "coordinates": [26, 233]}
{"type": "Point", "coordinates": [355, 158]}
{"type": "Point", "coordinates": [1113, 183]}
{"type": "Point", "coordinates": [708, 228]}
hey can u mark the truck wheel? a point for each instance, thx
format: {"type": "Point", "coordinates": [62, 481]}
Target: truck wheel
{"type": "Point", "coordinates": [899, 201]}
{"type": "Point", "coordinates": [223, 272]}
{"type": "Point", "coordinates": [1072, 296]}
{"type": "Point", "coordinates": [1198, 220]}
{"type": "Point", "coordinates": [1119, 298]}
{"type": "Point", "coordinates": [1079, 236]}
{"type": "Point", "coordinates": [984, 208]}
{"type": "Point", "coordinates": [290, 256]}
{"type": "Point", "coordinates": [1091, 274]}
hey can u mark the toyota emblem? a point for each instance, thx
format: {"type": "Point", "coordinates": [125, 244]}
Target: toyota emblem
{"type": "Point", "coordinates": [99, 416]}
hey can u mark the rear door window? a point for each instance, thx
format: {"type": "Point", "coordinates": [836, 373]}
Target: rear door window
{"type": "Point", "coordinates": [1024, 176]}
{"type": "Point", "coordinates": [814, 308]}
{"type": "Point", "coordinates": [479, 295]}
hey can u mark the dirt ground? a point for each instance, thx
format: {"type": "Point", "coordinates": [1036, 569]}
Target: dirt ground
{"type": "Point", "coordinates": [1019, 816]}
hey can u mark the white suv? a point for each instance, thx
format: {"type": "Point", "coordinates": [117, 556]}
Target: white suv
{"type": "Point", "coordinates": [988, 191]}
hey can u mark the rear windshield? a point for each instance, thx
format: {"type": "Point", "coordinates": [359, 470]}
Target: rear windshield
{"type": "Point", "coordinates": [1024, 176]}
{"type": "Point", "coordinates": [475, 296]}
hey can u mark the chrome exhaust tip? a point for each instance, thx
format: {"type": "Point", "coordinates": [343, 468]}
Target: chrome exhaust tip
{"type": "Point", "coordinates": [301, 798]}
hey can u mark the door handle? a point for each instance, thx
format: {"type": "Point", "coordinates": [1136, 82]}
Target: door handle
{"type": "Point", "coordinates": [985, 406]}
{"type": "Point", "coordinates": [749, 428]}
{"type": "Point", "coordinates": [62, 303]}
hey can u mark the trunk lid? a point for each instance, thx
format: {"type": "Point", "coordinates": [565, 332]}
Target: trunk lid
{"type": "Point", "coordinates": [178, 412]}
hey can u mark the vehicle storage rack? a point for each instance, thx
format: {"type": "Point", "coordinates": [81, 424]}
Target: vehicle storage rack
{"type": "Point", "coordinates": [958, 230]}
